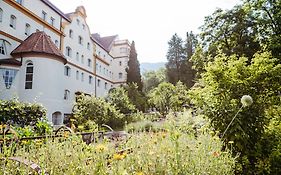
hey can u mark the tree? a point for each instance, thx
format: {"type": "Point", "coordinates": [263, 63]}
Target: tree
{"type": "Point", "coordinates": [153, 78]}
{"type": "Point", "coordinates": [176, 57]}
{"type": "Point", "coordinates": [232, 31]}
{"type": "Point", "coordinates": [136, 97]}
{"type": "Point", "coordinates": [119, 97]}
{"type": "Point", "coordinates": [225, 81]}
{"type": "Point", "coordinates": [188, 72]}
{"type": "Point", "coordinates": [133, 70]}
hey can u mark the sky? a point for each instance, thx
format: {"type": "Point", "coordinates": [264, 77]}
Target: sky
{"type": "Point", "coordinates": [150, 23]}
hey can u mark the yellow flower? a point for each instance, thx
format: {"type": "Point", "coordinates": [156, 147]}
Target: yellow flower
{"type": "Point", "coordinates": [139, 173]}
{"type": "Point", "coordinates": [230, 142]}
{"type": "Point", "coordinates": [100, 148]}
{"type": "Point", "coordinates": [65, 134]}
{"type": "Point", "coordinates": [118, 156]}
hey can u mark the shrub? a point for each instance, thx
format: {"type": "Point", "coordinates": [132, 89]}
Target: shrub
{"type": "Point", "coordinates": [18, 113]}
{"type": "Point", "coordinates": [223, 84]}
{"type": "Point", "coordinates": [97, 110]}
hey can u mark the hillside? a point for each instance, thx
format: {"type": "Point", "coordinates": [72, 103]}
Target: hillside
{"type": "Point", "coordinates": [151, 66]}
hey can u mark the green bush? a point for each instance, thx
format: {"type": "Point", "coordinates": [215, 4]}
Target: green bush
{"type": "Point", "coordinates": [18, 113]}
{"type": "Point", "coordinates": [97, 110]}
{"type": "Point", "coordinates": [223, 84]}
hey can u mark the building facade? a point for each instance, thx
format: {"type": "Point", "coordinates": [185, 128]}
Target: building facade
{"type": "Point", "coordinates": [49, 57]}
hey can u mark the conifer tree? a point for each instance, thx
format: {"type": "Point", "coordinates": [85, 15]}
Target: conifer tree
{"type": "Point", "coordinates": [133, 70]}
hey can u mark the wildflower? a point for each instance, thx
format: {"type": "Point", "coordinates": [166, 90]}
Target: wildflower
{"type": "Point", "coordinates": [246, 100]}
{"type": "Point", "coordinates": [139, 173]}
{"type": "Point", "coordinates": [119, 156]}
{"type": "Point", "coordinates": [100, 148]}
{"type": "Point", "coordinates": [65, 134]}
{"type": "Point", "coordinates": [216, 154]}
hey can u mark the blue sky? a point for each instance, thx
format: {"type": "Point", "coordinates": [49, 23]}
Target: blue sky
{"type": "Point", "coordinates": [150, 23]}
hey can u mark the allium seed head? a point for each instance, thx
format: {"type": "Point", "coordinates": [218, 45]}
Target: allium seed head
{"type": "Point", "coordinates": [246, 100]}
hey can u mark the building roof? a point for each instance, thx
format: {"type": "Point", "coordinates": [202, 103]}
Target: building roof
{"type": "Point", "coordinates": [106, 42]}
{"type": "Point", "coordinates": [10, 61]}
{"type": "Point", "coordinates": [38, 43]}
{"type": "Point", "coordinates": [52, 6]}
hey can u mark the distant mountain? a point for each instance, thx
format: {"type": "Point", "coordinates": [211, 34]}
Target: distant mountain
{"type": "Point", "coordinates": [151, 66]}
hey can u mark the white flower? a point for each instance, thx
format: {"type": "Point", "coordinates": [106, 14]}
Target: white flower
{"type": "Point", "coordinates": [246, 100]}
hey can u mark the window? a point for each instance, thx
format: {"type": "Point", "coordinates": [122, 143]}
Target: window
{"type": "Point", "coordinates": [83, 26]}
{"type": "Point", "coordinates": [88, 46]}
{"type": "Point", "coordinates": [105, 85]}
{"type": "Point", "coordinates": [100, 68]}
{"type": "Point", "coordinates": [8, 76]}
{"type": "Point", "coordinates": [80, 40]}
{"type": "Point", "coordinates": [103, 70]}
{"type": "Point", "coordinates": [52, 21]}
{"type": "Point", "coordinates": [77, 75]}
{"type": "Point", "coordinates": [98, 82]}
{"type": "Point", "coordinates": [66, 94]}
{"type": "Point", "coordinates": [68, 51]}
{"type": "Point", "coordinates": [44, 15]}
{"type": "Point", "coordinates": [4, 46]}
{"type": "Point", "coordinates": [97, 67]}
{"type": "Point", "coordinates": [123, 50]}
{"type": "Point", "coordinates": [90, 79]}
{"type": "Point", "coordinates": [57, 43]}
{"type": "Point", "coordinates": [120, 75]}
{"type": "Point", "coordinates": [13, 21]}
{"type": "Point", "coordinates": [1, 15]}
{"type": "Point", "coordinates": [70, 33]}
{"type": "Point", "coordinates": [78, 22]}
{"type": "Point", "coordinates": [27, 29]}
{"type": "Point", "coordinates": [77, 56]}
{"type": "Point", "coordinates": [89, 62]}
{"type": "Point", "coordinates": [29, 76]}
{"type": "Point", "coordinates": [57, 118]}
{"type": "Point", "coordinates": [67, 71]}
{"type": "Point", "coordinates": [82, 59]}
{"type": "Point", "coordinates": [19, 1]}
{"type": "Point", "coordinates": [82, 76]}
{"type": "Point", "coordinates": [120, 63]}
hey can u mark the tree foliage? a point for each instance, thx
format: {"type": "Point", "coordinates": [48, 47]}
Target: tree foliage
{"type": "Point", "coordinates": [97, 110]}
{"type": "Point", "coordinates": [225, 81]}
{"type": "Point", "coordinates": [152, 79]}
{"type": "Point", "coordinates": [133, 70]}
{"type": "Point", "coordinates": [166, 97]}
{"type": "Point", "coordinates": [119, 97]}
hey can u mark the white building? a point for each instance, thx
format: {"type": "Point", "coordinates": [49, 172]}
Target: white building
{"type": "Point", "coordinates": [49, 57]}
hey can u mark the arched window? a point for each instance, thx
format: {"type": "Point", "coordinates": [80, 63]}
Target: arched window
{"type": "Point", "coordinates": [27, 29]}
{"type": "Point", "coordinates": [70, 33]}
{"type": "Point", "coordinates": [77, 56]}
{"type": "Point", "coordinates": [88, 46]}
{"type": "Point", "coordinates": [90, 79]}
{"type": "Point", "coordinates": [57, 118]}
{"type": "Point", "coordinates": [98, 82]}
{"type": "Point", "coordinates": [82, 76]}
{"type": "Point", "coordinates": [82, 59]}
{"type": "Point", "coordinates": [89, 62]}
{"type": "Point", "coordinates": [67, 71]}
{"type": "Point", "coordinates": [68, 51]}
{"type": "Point", "coordinates": [105, 85]}
{"type": "Point", "coordinates": [66, 94]}
{"type": "Point", "coordinates": [120, 75]}
{"type": "Point", "coordinates": [8, 76]}
{"type": "Point", "coordinates": [1, 15]}
{"type": "Point", "coordinates": [13, 21]}
{"type": "Point", "coordinates": [57, 43]}
{"type": "Point", "coordinates": [80, 40]}
{"type": "Point", "coordinates": [29, 76]}
{"type": "Point", "coordinates": [77, 75]}
{"type": "Point", "coordinates": [4, 47]}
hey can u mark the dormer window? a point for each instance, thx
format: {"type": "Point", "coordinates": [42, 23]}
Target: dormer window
{"type": "Point", "coordinates": [4, 47]}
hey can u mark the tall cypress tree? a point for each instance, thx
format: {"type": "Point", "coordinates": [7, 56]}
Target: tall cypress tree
{"type": "Point", "coordinates": [133, 70]}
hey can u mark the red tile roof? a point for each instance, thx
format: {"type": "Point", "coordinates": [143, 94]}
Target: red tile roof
{"type": "Point", "coordinates": [106, 42]}
{"type": "Point", "coordinates": [10, 61]}
{"type": "Point", "coordinates": [38, 43]}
